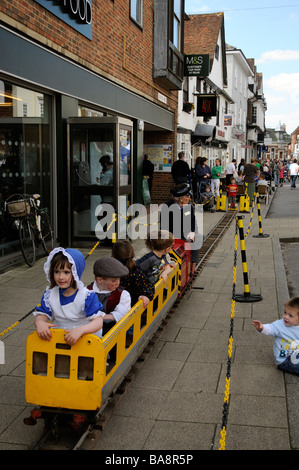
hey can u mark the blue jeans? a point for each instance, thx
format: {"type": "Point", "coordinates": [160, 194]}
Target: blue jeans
{"type": "Point", "coordinates": [291, 364]}
{"type": "Point", "coordinates": [293, 181]}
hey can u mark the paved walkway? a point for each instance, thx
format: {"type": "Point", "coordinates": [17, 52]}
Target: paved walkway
{"type": "Point", "coordinates": [176, 401]}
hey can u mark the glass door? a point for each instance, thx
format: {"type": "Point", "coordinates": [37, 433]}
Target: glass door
{"type": "Point", "coordinates": [100, 175]}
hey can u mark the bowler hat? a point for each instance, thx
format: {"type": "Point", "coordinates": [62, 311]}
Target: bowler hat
{"type": "Point", "coordinates": [109, 267]}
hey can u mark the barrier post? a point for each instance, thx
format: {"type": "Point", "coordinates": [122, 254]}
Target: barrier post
{"type": "Point", "coordinates": [247, 296]}
{"type": "Point", "coordinates": [261, 234]}
{"type": "Point", "coordinates": [244, 204]}
{"type": "Point", "coordinates": [221, 201]}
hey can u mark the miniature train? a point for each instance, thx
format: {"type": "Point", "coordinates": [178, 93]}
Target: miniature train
{"type": "Point", "coordinates": [75, 382]}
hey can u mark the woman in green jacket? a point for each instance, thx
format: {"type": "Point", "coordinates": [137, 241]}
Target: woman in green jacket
{"type": "Point", "coordinates": [216, 173]}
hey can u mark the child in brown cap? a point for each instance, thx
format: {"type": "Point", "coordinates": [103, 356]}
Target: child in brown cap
{"type": "Point", "coordinates": [115, 300]}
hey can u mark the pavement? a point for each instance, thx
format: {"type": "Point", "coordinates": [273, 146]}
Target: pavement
{"type": "Point", "coordinates": [176, 400]}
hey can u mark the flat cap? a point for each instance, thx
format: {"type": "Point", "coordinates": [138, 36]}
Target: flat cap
{"type": "Point", "coordinates": [109, 267]}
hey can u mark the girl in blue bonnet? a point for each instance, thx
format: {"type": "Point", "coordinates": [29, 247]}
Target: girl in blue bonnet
{"type": "Point", "coordinates": [66, 302]}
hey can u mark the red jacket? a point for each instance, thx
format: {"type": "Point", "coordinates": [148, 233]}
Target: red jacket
{"type": "Point", "coordinates": [232, 190]}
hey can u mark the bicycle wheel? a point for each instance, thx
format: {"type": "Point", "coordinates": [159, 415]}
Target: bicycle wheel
{"type": "Point", "coordinates": [27, 241]}
{"type": "Point", "coordinates": [46, 234]}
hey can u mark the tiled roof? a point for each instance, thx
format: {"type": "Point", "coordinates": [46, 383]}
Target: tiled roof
{"type": "Point", "coordinates": [201, 33]}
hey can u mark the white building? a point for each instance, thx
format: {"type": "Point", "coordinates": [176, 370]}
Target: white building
{"type": "Point", "coordinates": [204, 134]}
{"type": "Point", "coordinates": [257, 107]}
{"type": "Point", "coordinates": [239, 72]}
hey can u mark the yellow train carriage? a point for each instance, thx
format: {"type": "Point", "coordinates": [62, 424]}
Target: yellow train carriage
{"type": "Point", "coordinates": [83, 376]}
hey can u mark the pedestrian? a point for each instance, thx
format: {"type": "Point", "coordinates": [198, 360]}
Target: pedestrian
{"type": "Point", "coordinates": [249, 179]}
{"type": "Point", "coordinates": [276, 172]}
{"type": "Point", "coordinates": [281, 175]}
{"type": "Point", "coordinates": [180, 170]}
{"type": "Point", "coordinates": [66, 302]}
{"type": "Point", "coordinates": [148, 171]}
{"type": "Point", "coordinates": [293, 173]}
{"type": "Point", "coordinates": [203, 175]}
{"type": "Point", "coordinates": [216, 173]}
{"type": "Point", "coordinates": [230, 170]}
{"type": "Point", "coordinates": [286, 337]}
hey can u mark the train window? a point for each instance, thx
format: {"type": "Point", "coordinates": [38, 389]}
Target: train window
{"type": "Point", "coordinates": [155, 304]}
{"type": "Point", "coordinates": [85, 368]}
{"type": "Point", "coordinates": [39, 363]}
{"type": "Point", "coordinates": [129, 336]}
{"type": "Point", "coordinates": [63, 346]}
{"type": "Point", "coordinates": [143, 319]}
{"type": "Point", "coordinates": [111, 359]}
{"type": "Point", "coordinates": [62, 366]}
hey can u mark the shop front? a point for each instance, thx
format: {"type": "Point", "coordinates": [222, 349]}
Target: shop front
{"type": "Point", "coordinates": [25, 154]}
{"type": "Point", "coordinates": [101, 175]}
{"type": "Point", "coordinates": [49, 145]}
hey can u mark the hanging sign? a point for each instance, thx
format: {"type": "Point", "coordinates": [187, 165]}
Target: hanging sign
{"type": "Point", "coordinates": [197, 65]}
{"type": "Point", "coordinates": [207, 105]}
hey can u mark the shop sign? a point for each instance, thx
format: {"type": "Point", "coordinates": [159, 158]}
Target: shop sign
{"type": "Point", "coordinates": [76, 13]}
{"type": "Point", "coordinates": [207, 105]}
{"type": "Point", "coordinates": [197, 65]}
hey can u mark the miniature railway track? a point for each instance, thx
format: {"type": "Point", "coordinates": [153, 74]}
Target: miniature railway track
{"type": "Point", "coordinates": [59, 439]}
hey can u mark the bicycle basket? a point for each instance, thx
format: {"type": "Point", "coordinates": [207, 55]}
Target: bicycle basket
{"type": "Point", "coordinates": [19, 208]}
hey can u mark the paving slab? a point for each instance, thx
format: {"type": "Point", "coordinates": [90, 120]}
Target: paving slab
{"type": "Point", "coordinates": [176, 400]}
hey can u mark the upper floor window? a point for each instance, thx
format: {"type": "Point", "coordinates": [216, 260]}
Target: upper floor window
{"type": "Point", "coordinates": [176, 39]}
{"type": "Point", "coordinates": [169, 43]}
{"type": "Point", "coordinates": [136, 10]}
{"type": "Point", "coordinates": [254, 115]}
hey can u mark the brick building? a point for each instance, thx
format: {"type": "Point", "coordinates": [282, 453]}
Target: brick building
{"type": "Point", "coordinates": [81, 80]}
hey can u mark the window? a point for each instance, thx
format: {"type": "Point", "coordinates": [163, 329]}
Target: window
{"type": "Point", "coordinates": [136, 10]}
{"type": "Point", "coordinates": [169, 43]}
{"type": "Point", "coordinates": [177, 24]}
{"type": "Point", "coordinates": [175, 37]}
{"type": "Point", "coordinates": [254, 115]}
{"type": "Point", "coordinates": [25, 152]}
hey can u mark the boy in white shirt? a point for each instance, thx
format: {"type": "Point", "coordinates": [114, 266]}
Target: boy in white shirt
{"type": "Point", "coordinates": [286, 334]}
{"type": "Point", "coordinates": [115, 300]}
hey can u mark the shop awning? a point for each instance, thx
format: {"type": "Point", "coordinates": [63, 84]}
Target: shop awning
{"type": "Point", "coordinates": [203, 132]}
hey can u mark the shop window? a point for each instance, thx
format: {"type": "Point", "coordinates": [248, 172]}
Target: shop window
{"type": "Point", "coordinates": [25, 153]}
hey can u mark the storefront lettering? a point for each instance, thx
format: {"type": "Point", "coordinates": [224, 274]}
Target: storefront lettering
{"type": "Point", "coordinates": [80, 9]}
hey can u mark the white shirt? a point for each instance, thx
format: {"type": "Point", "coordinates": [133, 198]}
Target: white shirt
{"type": "Point", "coordinates": [294, 169]}
{"type": "Point", "coordinates": [122, 307]}
{"type": "Point", "coordinates": [230, 169]}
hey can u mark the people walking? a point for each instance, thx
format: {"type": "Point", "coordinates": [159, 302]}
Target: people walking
{"type": "Point", "coordinates": [250, 171]}
{"type": "Point", "coordinates": [293, 173]}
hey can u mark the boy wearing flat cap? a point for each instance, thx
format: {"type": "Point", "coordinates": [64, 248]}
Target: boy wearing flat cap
{"type": "Point", "coordinates": [115, 300]}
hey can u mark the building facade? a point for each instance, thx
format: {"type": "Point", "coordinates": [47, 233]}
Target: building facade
{"type": "Point", "coordinates": [276, 143]}
{"type": "Point", "coordinates": [257, 108]}
{"type": "Point", "coordinates": [239, 73]}
{"type": "Point", "coordinates": [204, 100]}
{"type": "Point", "coordinates": [86, 88]}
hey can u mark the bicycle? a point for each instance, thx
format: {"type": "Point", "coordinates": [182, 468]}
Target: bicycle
{"type": "Point", "coordinates": [33, 224]}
